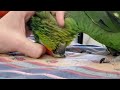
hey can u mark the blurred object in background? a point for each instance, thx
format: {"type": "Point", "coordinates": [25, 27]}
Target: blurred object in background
{"type": "Point", "coordinates": [87, 40]}
{"type": "Point", "coordinates": [80, 38]}
{"type": "Point", "coordinates": [89, 49]}
{"type": "Point", "coordinates": [2, 13]}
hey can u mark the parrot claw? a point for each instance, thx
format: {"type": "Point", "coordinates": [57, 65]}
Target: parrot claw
{"type": "Point", "coordinates": [104, 60]}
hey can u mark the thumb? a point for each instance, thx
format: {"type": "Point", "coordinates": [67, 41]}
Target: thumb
{"type": "Point", "coordinates": [60, 18]}
{"type": "Point", "coordinates": [30, 48]}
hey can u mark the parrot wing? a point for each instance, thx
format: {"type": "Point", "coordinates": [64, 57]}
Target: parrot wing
{"type": "Point", "coordinates": [108, 20]}
{"type": "Point", "coordinates": [102, 26]}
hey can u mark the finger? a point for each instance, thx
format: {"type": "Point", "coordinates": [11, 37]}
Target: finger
{"type": "Point", "coordinates": [31, 49]}
{"type": "Point", "coordinates": [53, 12]}
{"type": "Point", "coordinates": [60, 18]}
{"type": "Point", "coordinates": [29, 14]}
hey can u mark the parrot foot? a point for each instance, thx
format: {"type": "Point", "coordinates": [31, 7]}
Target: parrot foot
{"type": "Point", "coordinates": [104, 60]}
{"type": "Point", "coordinates": [107, 59]}
{"type": "Point", "coordinates": [115, 61]}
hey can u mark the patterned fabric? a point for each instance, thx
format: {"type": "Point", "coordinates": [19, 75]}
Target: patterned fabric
{"type": "Point", "coordinates": [76, 65]}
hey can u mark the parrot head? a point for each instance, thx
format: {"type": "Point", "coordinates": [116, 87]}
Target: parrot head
{"type": "Point", "coordinates": [48, 33]}
{"type": "Point", "coordinates": [59, 52]}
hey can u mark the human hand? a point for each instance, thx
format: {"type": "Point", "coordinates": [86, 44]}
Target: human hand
{"type": "Point", "coordinates": [13, 35]}
{"type": "Point", "coordinates": [59, 17]}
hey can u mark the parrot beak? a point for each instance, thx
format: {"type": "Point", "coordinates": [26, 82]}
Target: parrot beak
{"type": "Point", "coordinates": [59, 52]}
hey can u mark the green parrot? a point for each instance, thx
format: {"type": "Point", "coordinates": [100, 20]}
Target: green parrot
{"type": "Point", "coordinates": [102, 26]}
{"type": "Point", "coordinates": [47, 32]}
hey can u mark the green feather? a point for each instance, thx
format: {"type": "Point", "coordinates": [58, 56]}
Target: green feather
{"type": "Point", "coordinates": [47, 32]}
{"type": "Point", "coordinates": [88, 26]}
{"type": "Point", "coordinates": [102, 26]}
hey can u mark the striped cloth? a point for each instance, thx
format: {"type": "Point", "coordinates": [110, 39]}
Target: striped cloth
{"type": "Point", "coordinates": [76, 65]}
